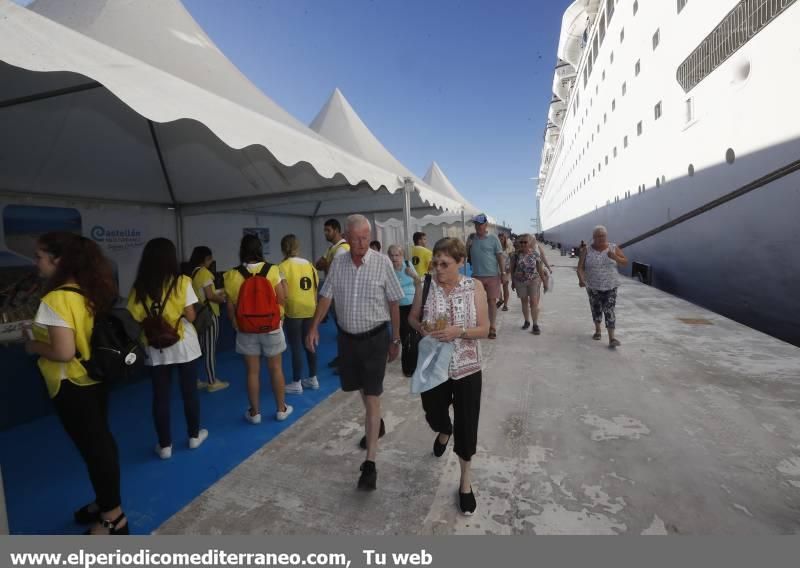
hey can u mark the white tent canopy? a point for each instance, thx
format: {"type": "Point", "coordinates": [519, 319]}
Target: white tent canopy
{"type": "Point", "coordinates": [128, 102]}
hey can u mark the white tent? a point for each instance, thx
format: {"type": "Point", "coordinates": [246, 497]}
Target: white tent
{"type": "Point", "coordinates": [131, 105]}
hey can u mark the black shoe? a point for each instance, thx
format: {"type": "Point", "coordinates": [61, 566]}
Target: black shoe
{"type": "Point", "coordinates": [499, 303]}
{"type": "Point", "coordinates": [113, 527]}
{"type": "Point", "coordinates": [86, 516]}
{"type": "Point", "coordinates": [438, 449]}
{"type": "Point", "coordinates": [368, 479]}
{"type": "Point", "coordinates": [526, 325]}
{"type": "Point", "coordinates": [535, 330]}
{"type": "Point", "coordinates": [381, 434]}
{"type": "Point", "coordinates": [467, 502]}
{"type": "Point", "coordinates": [334, 362]}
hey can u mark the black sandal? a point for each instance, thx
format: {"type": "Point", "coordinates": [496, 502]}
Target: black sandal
{"type": "Point", "coordinates": [112, 527]}
{"type": "Point", "coordinates": [85, 515]}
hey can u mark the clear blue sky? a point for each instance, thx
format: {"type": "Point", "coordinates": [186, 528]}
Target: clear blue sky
{"type": "Point", "coordinates": [465, 83]}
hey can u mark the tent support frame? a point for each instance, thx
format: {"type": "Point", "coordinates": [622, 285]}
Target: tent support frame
{"type": "Point", "coordinates": [16, 101]}
{"type": "Point", "coordinates": [175, 205]}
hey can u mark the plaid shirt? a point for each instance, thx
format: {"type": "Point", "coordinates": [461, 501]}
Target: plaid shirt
{"type": "Point", "coordinates": [362, 295]}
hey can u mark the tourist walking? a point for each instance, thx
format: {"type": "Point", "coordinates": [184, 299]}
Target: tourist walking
{"type": "Point", "coordinates": [409, 280]}
{"type": "Point", "coordinates": [61, 336]}
{"type": "Point", "coordinates": [486, 255]}
{"type": "Point", "coordinates": [528, 275]}
{"type": "Point", "coordinates": [338, 246]}
{"type": "Point", "coordinates": [209, 299]}
{"type": "Point", "coordinates": [461, 302]}
{"type": "Point", "coordinates": [420, 254]}
{"type": "Point", "coordinates": [597, 272]}
{"type": "Point", "coordinates": [505, 278]}
{"type": "Point", "coordinates": [366, 294]}
{"type": "Point", "coordinates": [302, 288]}
{"type": "Point", "coordinates": [256, 292]}
{"type": "Point", "coordinates": [162, 300]}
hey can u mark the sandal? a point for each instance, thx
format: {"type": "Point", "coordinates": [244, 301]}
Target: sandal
{"type": "Point", "coordinates": [492, 333]}
{"type": "Point", "coordinates": [87, 515]}
{"type": "Point", "coordinates": [596, 336]}
{"type": "Point", "coordinates": [112, 527]}
{"type": "Point", "coordinates": [438, 449]}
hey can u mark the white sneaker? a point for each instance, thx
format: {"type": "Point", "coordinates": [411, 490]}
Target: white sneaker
{"type": "Point", "coordinates": [195, 443]}
{"type": "Point", "coordinates": [294, 388]}
{"type": "Point", "coordinates": [311, 383]}
{"type": "Point", "coordinates": [252, 419]}
{"type": "Point", "coordinates": [164, 453]}
{"type": "Point", "coordinates": [285, 414]}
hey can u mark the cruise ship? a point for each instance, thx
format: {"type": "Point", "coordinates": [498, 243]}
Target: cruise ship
{"type": "Point", "coordinates": [676, 124]}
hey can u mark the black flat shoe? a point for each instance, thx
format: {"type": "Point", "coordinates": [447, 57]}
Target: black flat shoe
{"type": "Point", "coordinates": [86, 516]}
{"type": "Point", "coordinates": [526, 325]}
{"type": "Point", "coordinates": [438, 449]}
{"type": "Point", "coordinates": [113, 527]}
{"type": "Point", "coordinates": [368, 479]}
{"type": "Point", "coordinates": [467, 503]}
{"type": "Point", "coordinates": [381, 434]}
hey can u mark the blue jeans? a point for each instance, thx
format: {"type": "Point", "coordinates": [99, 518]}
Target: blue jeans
{"type": "Point", "coordinates": [296, 330]}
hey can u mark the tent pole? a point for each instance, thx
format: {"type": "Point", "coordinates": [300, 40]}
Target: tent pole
{"type": "Point", "coordinates": [175, 207]}
{"type": "Point", "coordinates": [408, 187]}
{"type": "Point", "coordinates": [463, 225]}
{"type": "Point", "coordinates": [313, 233]}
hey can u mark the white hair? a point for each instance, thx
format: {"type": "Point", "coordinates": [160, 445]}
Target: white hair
{"type": "Point", "coordinates": [599, 229]}
{"type": "Point", "coordinates": [355, 221]}
{"type": "Point", "coordinates": [395, 248]}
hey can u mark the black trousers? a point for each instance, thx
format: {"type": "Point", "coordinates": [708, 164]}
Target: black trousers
{"type": "Point", "coordinates": [83, 412]}
{"type": "Point", "coordinates": [296, 330]}
{"type": "Point", "coordinates": [408, 336]}
{"type": "Point", "coordinates": [465, 396]}
{"type": "Point", "coordinates": [162, 375]}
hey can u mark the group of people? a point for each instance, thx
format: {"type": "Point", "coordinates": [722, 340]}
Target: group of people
{"type": "Point", "coordinates": [382, 304]}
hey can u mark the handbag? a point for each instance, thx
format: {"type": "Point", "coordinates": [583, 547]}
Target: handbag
{"type": "Point", "coordinates": [433, 364]}
{"type": "Point", "coordinates": [203, 316]}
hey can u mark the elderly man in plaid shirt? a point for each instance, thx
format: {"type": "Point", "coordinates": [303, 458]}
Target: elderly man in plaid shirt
{"type": "Point", "coordinates": [366, 295]}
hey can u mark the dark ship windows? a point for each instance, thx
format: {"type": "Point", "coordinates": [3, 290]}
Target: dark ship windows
{"type": "Point", "coordinates": [622, 35]}
{"type": "Point", "coordinates": [689, 110]}
{"type": "Point", "coordinates": [638, 67]}
{"type": "Point", "coordinates": [635, 7]}
{"type": "Point", "coordinates": [657, 111]}
{"type": "Point", "coordinates": [730, 156]}
{"type": "Point", "coordinates": [624, 89]}
{"type": "Point", "coordinates": [625, 142]}
{"type": "Point", "coordinates": [691, 170]}
{"type": "Point", "coordinates": [656, 39]}
{"type": "Point", "coordinates": [614, 105]}
{"type": "Point", "coordinates": [639, 129]}
{"type": "Point", "coordinates": [681, 5]}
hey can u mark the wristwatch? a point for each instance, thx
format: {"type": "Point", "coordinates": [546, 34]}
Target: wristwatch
{"type": "Point", "coordinates": [396, 341]}
{"type": "Point", "coordinates": [463, 334]}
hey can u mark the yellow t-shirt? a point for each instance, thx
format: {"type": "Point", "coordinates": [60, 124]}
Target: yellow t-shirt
{"type": "Point", "coordinates": [234, 281]}
{"type": "Point", "coordinates": [333, 250]}
{"type": "Point", "coordinates": [302, 282]}
{"type": "Point", "coordinates": [173, 311]}
{"type": "Point", "coordinates": [421, 259]}
{"type": "Point", "coordinates": [61, 308]}
{"type": "Point", "coordinates": [202, 278]}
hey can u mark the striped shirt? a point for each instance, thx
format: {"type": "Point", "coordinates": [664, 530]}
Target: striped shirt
{"type": "Point", "coordinates": [362, 294]}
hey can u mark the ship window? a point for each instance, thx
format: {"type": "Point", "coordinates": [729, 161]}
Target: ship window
{"type": "Point", "coordinates": [689, 110]}
{"type": "Point", "coordinates": [602, 28]}
{"type": "Point", "coordinates": [604, 75]}
{"type": "Point", "coordinates": [625, 142]}
{"type": "Point", "coordinates": [615, 151]}
{"type": "Point", "coordinates": [624, 89]}
{"type": "Point", "coordinates": [605, 118]}
{"type": "Point", "coordinates": [658, 182]}
{"type": "Point", "coordinates": [730, 156]}
{"type": "Point", "coordinates": [610, 9]}
{"type": "Point", "coordinates": [613, 105]}
{"type": "Point", "coordinates": [663, 180]}
{"type": "Point", "coordinates": [635, 7]}
{"type": "Point", "coordinates": [612, 58]}
{"type": "Point", "coordinates": [681, 5]}
{"type": "Point", "coordinates": [585, 77]}
{"type": "Point", "coordinates": [657, 111]}
{"type": "Point", "coordinates": [622, 35]}
{"type": "Point", "coordinates": [656, 39]}
{"type": "Point", "coordinates": [606, 160]}
{"type": "Point", "coordinates": [638, 67]}
{"type": "Point", "coordinates": [691, 170]}
{"type": "Point", "coordinates": [595, 48]}
{"type": "Point", "coordinates": [639, 129]}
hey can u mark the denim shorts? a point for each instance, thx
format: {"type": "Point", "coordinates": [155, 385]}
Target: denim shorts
{"type": "Point", "coordinates": [260, 344]}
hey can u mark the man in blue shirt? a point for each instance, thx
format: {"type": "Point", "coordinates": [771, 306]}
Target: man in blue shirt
{"type": "Point", "coordinates": [486, 257]}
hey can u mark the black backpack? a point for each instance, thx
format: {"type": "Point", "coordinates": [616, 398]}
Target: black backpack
{"type": "Point", "coordinates": [116, 352]}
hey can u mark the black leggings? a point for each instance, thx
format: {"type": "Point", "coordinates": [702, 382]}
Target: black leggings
{"type": "Point", "coordinates": [83, 412]}
{"type": "Point", "coordinates": [187, 373]}
{"type": "Point", "coordinates": [296, 330]}
{"type": "Point", "coordinates": [465, 396]}
{"type": "Point", "coordinates": [408, 336]}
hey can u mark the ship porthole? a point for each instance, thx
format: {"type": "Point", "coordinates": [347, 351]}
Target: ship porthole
{"type": "Point", "coordinates": [730, 156]}
{"type": "Point", "coordinates": [658, 182]}
{"type": "Point", "coordinates": [741, 72]}
{"type": "Point", "coordinates": [691, 170]}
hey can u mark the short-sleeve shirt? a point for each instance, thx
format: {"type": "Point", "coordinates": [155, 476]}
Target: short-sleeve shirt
{"type": "Point", "coordinates": [234, 280]}
{"type": "Point", "coordinates": [61, 308]}
{"type": "Point", "coordinates": [421, 259]}
{"type": "Point", "coordinates": [202, 278]}
{"type": "Point", "coordinates": [408, 285]}
{"type": "Point", "coordinates": [188, 346]}
{"type": "Point", "coordinates": [484, 253]}
{"type": "Point", "coordinates": [525, 267]}
{"type": "Point", "coordinates": [362, 294]}
{"type": "Point", "coordinates": [302, 283]}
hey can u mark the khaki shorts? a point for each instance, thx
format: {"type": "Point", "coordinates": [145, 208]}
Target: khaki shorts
{"type": "Point", "coordinates": [531, 289]}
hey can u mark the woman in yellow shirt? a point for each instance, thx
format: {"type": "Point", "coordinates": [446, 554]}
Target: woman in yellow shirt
{"type": "Point", "coordinates": [160, 288]}
{"type": "Point", "coordinates": [203, 284]}
{"type": "Point", "coordinates": [302, 286]}
{"type": "Point", "coordinates": [253, 346]}
{"type": "Point", "coordinates": [63, 330]}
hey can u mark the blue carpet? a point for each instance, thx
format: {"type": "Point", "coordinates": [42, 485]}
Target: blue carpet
{"type": "Point", "coordinates": [45, 479]}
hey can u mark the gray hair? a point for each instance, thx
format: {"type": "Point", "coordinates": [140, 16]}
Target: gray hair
{"type": "Point", "coordinates": [355, 221]}
{"type": "Point", "coordinates": [599, 229]}
{"type": "Point", "coordinates": [395, 248]}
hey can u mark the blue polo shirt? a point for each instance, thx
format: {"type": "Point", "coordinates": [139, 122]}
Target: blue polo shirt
{"type": "Point", "coordinates": [484, 255]}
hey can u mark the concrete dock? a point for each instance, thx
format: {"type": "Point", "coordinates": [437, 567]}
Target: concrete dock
{"type": "Point", "coordinates": [691, 427]}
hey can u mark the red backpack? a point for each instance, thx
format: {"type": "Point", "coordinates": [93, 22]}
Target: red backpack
{"type": "Point", "coordinates": [257, 310]}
